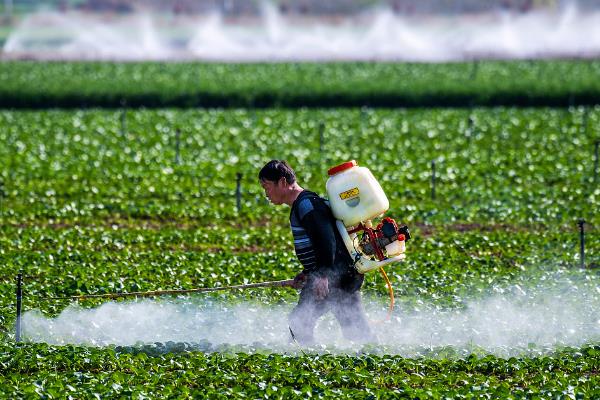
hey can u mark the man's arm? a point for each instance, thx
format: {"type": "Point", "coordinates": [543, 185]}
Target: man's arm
{"type": "Point", "coordinates": [317, 224]}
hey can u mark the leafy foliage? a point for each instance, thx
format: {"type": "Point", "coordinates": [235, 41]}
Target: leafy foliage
{"type": "Point", "coordinates": [481, 83]}
{"type": "Point", "coordinates": [45, 371]}
{"type": "Point", "coordinates": [494, 165]}
{"type": "Point", "coordinates": [89, 208]}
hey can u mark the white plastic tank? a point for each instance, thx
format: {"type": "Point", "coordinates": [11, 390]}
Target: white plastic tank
{"type": "Point", "coordinates": [354, 194]}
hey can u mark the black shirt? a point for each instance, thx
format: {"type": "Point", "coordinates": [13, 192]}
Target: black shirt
{"type": "Point", "coordinates": [318, 244]}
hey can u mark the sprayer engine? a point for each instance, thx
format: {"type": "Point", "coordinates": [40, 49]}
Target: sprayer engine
{"type": "Point", "coordinates": [387, 239]}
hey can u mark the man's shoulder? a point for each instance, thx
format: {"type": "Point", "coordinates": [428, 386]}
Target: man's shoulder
{"type": "Point", "coordinates": [308, 201]}
{"type": "Point", "coordinates": [305, 206]}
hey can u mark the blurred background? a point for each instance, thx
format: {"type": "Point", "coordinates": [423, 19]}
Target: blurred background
{"type": "Point", "coordinates": [286, 30]}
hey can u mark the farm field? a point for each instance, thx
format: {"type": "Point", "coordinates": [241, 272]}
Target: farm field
{"type": "Point", "coordinates": [523, 166]}
{"type": "Point", "coordinates": [490, 303]}
{"type": "Point", "coordinates": [558, 83]}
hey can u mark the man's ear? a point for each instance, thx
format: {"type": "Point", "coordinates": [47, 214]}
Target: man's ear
{"type": "Point", "coordinates": [282, 182]}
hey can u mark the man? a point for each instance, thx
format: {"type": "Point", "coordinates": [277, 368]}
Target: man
{"type": "Point", "coordinates": [328, 281]}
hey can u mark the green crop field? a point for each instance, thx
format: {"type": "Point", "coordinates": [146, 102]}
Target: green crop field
{"type": "Point", "coordinates": [525, 166]}
{"type": "Point", "coordinates": [491, 302]}
{"type": "Point", "coordinates": [481, 83]}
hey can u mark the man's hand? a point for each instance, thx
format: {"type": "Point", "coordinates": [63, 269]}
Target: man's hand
{"type": "Point", "coordinates": [299, 281]}
{"type": "Point", "coordinates": [321, 288]}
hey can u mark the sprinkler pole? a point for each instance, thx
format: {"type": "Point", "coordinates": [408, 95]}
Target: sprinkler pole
{"type": "Point", "coordinates": [581, 223]}
{"type": "Point", "coordinates": [433, 180]}
{"type": "Point", "coordinates": [321, 137]}
{"type": "Point", "coordinates": [238, 191]}
{"type": "Point", "coordinates": [177, 145]}
{"type": "Point", "coordinates": [19, 299]}
{"type": "Point", "coordinates": [596, 145]}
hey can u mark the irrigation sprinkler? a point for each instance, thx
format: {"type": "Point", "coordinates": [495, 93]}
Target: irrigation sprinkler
{"type": "Point", "coordinates": [474, 70]}
{"type": "Point", "coordinates": [364, 116]}
{"type": "Point", "coordinates": [539, 72]}
{"type": "Point", "coordinates": [470, 128]}
{"type": "Point", "coordinates": [581, 224]}
{"type": "Point", "coordinates": [321, 137]}
{"type": "Point", "coordinates": [238, 191]}
{"type": "Point", "coordinates": [433, 180]}
{"type": "Point", "coordinates": [177, 145]}
{"type": "Point", "coordinates": [586, 117]}
{"type": "Point", "coordinates": [19, 299]}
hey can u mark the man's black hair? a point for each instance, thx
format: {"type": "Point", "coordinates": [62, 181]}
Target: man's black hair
{"type": "Point", "coordinates": [274, 170]}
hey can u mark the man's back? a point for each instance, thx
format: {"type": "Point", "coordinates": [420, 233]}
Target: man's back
{"type": "Point", "coordinates": [318, 245]}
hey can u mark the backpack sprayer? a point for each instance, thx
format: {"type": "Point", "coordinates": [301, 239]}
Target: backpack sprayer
{"type": "Point", "coordinates": [356, 199]}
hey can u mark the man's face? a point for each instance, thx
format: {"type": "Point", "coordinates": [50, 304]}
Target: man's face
{"type": "Point", "coordinates": [274, 190]}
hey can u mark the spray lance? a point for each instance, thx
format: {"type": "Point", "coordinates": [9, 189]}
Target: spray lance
{"type": "Point", "coordinates": [283, 283]}
{"type": "Point", "coordinates": [356, 199]}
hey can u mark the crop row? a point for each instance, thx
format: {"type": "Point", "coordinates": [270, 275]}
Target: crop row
{"type": "Point", "coordinates": [485, 83]}
{"type": "Point", "coordinates": [50, 372]}
{"type": "Point", "coordinates": [520, 166]}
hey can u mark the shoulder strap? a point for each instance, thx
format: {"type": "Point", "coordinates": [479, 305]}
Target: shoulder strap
{"type": "Point", "coordinates": [340, 247]}
{"type": "Point", "coordinates": [310, 195]}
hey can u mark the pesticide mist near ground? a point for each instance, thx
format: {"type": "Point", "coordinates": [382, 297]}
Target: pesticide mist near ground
{"type": "Point", "coordinates": [559, 310]}
{"type": "Point", "coordinates": [377, 34]}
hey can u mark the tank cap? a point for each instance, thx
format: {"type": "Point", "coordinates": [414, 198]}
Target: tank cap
{"type": "Point", "coordinates": [342, 167]}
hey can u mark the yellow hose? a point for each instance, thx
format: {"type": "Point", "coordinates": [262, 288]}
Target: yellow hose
{"type": "Point", "coordinates": [391, 292]}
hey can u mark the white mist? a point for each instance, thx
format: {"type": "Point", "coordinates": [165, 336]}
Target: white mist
{"type": "Point", "coordinates": [547, 315]}
{"type": "Point", "coordinates": [375, 35]}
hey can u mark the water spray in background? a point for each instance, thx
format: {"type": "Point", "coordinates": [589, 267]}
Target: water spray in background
{"type": "Point", "coordinates": [378, 34]}
{"type": "Point", "coordinates": [557, 311]}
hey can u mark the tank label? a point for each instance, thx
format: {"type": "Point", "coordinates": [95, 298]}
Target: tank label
{"type": "Point", "coordinates": [349, 194]}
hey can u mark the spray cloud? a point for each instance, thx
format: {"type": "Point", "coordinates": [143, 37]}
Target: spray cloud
{"type": "Point", "coordinates": [545, 315]}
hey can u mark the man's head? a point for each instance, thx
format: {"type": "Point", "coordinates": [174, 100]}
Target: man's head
{"type": "Point", "coordinates": [276, 178]}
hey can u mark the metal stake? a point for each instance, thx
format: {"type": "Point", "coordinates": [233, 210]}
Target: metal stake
{"type": "Point", "coordinates": [596, 145]}
{"type": "Point", "coordinates": [433, 180]}
{"type": "Point", "coordinates": [581, 223]}
{"type": "Point", "coordinates": [2, 194]}
{"type": "Point", "coordinates": [238, 192]}
{"type": "Point", "coordinates": [321, 137]}
{"type": "Point", "coordinates": [177, 145]}
{"type": "Point", "coordinates": [19, 299]}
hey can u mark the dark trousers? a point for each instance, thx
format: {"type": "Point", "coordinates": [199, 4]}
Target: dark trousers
{"type": "Point", "coordinates": [345, 305]}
